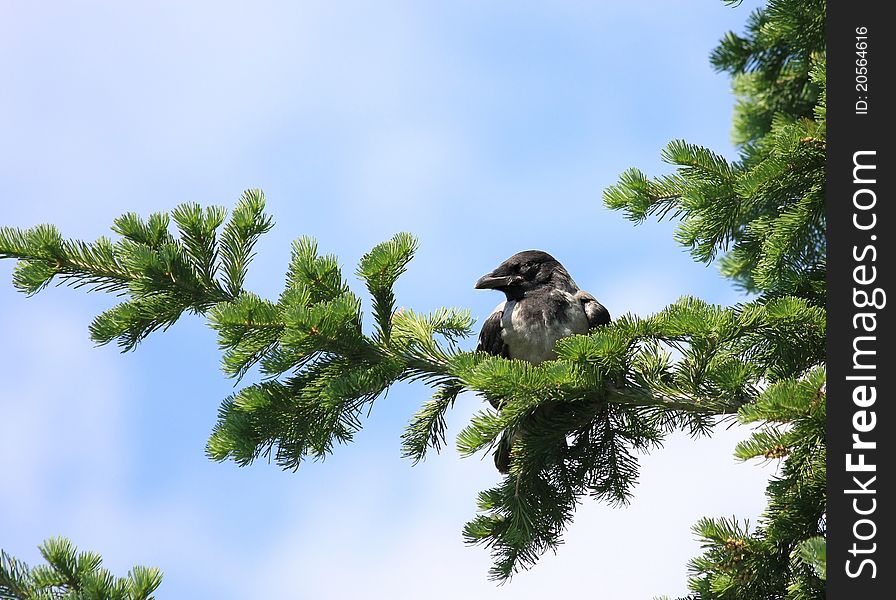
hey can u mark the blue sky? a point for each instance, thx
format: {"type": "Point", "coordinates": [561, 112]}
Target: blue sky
{"type": "Point", "coordinates": [483, 128]}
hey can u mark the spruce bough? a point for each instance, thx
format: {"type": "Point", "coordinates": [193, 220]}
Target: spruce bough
{"type": "Point", "coordinates": [615, 392]}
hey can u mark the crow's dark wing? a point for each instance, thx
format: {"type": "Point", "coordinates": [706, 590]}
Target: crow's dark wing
{"type": "Point", "coordinates": [490, 338]}
{"type": "Point", "coordinates": [502, 454]}
{"type": "Point", "coordinates": [596, 313]}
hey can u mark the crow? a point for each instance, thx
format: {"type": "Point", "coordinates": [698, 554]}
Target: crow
{"type": "Point", "coordinates": [543, 305]}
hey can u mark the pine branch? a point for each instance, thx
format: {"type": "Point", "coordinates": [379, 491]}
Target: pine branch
{"type": "Point", "coordinates": [249, 328]}
{"type": "Point", "coordinates": [427, 428]}
{"type": "Point", "coordinates": [163, 276]}
{"type": "Point", "coordinates": [197, 229]}
{"type": "Point", "coordinates": [813, 553]}
{"type": "Point", "coordinates": [380, 269]}
{"type": "Point", "coordinates": [572, 425]}
{"type": "Point", "coordinates": [43, 254]}
{"type": "Point", "coordinates": [247, 223]}
{"type": "Point", "coordinates": [72, 574]}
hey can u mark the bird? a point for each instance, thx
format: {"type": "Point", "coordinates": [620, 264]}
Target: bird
{"type": "Point", "coordinates": [542, 305]}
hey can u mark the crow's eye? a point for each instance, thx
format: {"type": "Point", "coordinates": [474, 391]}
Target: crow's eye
{"type": "Point", "coordinates": [527, 266]}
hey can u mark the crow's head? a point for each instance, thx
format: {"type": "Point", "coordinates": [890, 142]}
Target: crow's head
{"type": "Point", "coordinates": [526, 271]}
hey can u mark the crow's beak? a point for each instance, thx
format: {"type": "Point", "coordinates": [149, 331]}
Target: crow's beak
{"type": "Point", "coordinates": [493, 282]}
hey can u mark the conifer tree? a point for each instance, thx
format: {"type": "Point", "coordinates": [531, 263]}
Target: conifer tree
{"type": "Point", "coordinates": [614, 392]}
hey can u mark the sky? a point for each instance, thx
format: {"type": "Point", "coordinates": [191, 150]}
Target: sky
{"type": "Point", "coordinates": [484, 128]}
